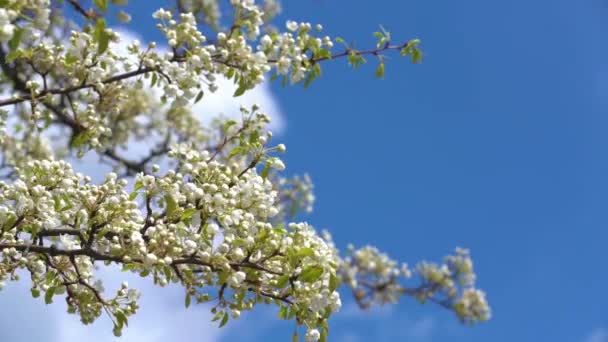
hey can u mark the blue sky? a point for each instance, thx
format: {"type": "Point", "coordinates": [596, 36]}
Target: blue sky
{"type": "Point", "coordinates": [497, 142]}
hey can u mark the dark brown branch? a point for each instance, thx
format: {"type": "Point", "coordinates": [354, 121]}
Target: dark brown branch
{"type": "Point", "coordinates": [60, 231]}
{"type": "Point", "coordinates": [67, 90]}
{"type": "Point", "coordinates": [97, 256]}
{"type": "Point", "coordinates": [284, 299]}
{"type": "Point", "coordinates": [146, 70]}
{"type": "Point", "coordinates": [90, 15]}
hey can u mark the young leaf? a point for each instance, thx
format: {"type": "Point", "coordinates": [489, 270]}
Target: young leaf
{"type": "Point", "coordinates": [14, 42]}
{"type": "Point", "coordinates": [171, 205]}
{"type": "Point", "coordinates": [121, 318]}
{"type": "Point", "coordinates": [282, 281]}
{"type": "Point", "coordinates": [240, 90]}
{"type": "Point", "coordinates": [187, 214]}
{"type": "Point", "coordinates": [101, 4]}
{"type": "Point", "coordinates": [101, 36]}
{"type": "Point", "coordinates": [188, 300]}
{"type": "Point", "coordinates": [199, 96]}
{"type": "Point", "coordinates": [138, 186]}
{"type": "Point", "coordinates": [224, 319]}
{"type": "Point", "coordinates": [265, 171]}
{"type": "Point", "coordinates": [334, 282]}
{"type": "Point", "coordinates": [380, 70]}
{"type": "Point", "coordinates": [283, 312]}
{"type": "Point", "coordinates": [48, 297]}
{"type": "Point", "coordinates": [304, 252]}
{"type": "Point", "coordinates": [311, 274]}
{"type": "Point", "coordinates": [133, 195]}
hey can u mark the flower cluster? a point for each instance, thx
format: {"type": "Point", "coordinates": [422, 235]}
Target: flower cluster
{"type": "Point", "coordinates": [296, 195]}
{"type": "Point", "coordinates": [6, 24]}
{"type": "Point", "coordinates": [34, 14]}
{"type": "Point", "coordinates": [185, 212]}
{"type": "Point", "coordinates": [375, 278]}
{"type": "Point", "coordinates": [50, 202]}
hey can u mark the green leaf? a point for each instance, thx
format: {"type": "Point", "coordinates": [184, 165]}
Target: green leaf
{"type": "Point", "coordinates": [101, 4]}
{"type": "Point", "coordinates": [187, 214]}
{"type": "Point", "coordinates": [223, 276]}
{"type": "Point", "coordinates": [240, 90]}
{"type": "Point", "coordinates": [48, 296]}
{"type": "Point", "coordinates": [13, 55]}
{"type": "Point", "coordinates": [9, 222]}
{"type": "Point", "coordinates": [171, 205]}
{"type": "Point", "coordinates": [199, 96]}
{"type": "Point", "coordinates": [35, 292]}
{"type": "Point", "coordinates": [283, 312]}
{"type": "Point", "coordinates": [380, 70]}
{"type": "Point", "coordinates": [265, 171]}
{"type": "Point", "coordinates": [334, 282]}
{"type": "Point", "coordinates": [80, 139]}
{"type": "Point", "coordinates": [168, 273]}
{"type": "Point", "coordinates": [313, 74]}
{"type": "Point", "coordinates": [121, 318]}
{"type": "Point", "coordinates": [101, 36]}
{"type": "Point", "coordinates": [311, 274]}
{"type": "Point", "coordinates": [356, 59]}
{"type": "Point", "coordinates": [282, 281]}
{"type": "Point", "coordinates": [339, 40]}
{"type": "Point", "coordinates": [154, 80]}
{"type": "Point", "coordinates": [14, 42]}
{"type": "Point", "coordinates": [234, 151]}
{"type": "Point", "coordinates": [70, 59]}
{"type": "Point", "coordinates": [413, 43]}
{"type": "Point", "coordinates": [129, 267]}
{"type": "Point", "coordinates": [217, 316]}
{"type": "Point", "coordinates": [224, 319]}
{"type": "Point", "coordinates": [295, 337]}
{"type": "Point", "coordinates": [117, 331]}
{"type": "Point", "coordinates": [304, 252]}
{"type": "Point", "coordinates": [133, 195]}
{"type": "Point", "coordinates": [228, 124]}
{"type": "Point", "coordinates": [323, 53]}
{"type": "Point", "coordinates": [416, 56]}
{"type": "Point", "coordinates": [138, 185]}
{"type": "Point", "coordinates": [188, 300]}
{"type": "Point", "coordinates": [280, 230]}
{"type": "Point", "coordinates": [253, 137]}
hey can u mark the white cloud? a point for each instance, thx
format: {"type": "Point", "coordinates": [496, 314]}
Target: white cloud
{"type": "Point", "coordinates": [384, 322]}
{"type": "Point", "coordinates": [598, 335]}
{"type": "Point", "coordinates": [162, 316]}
